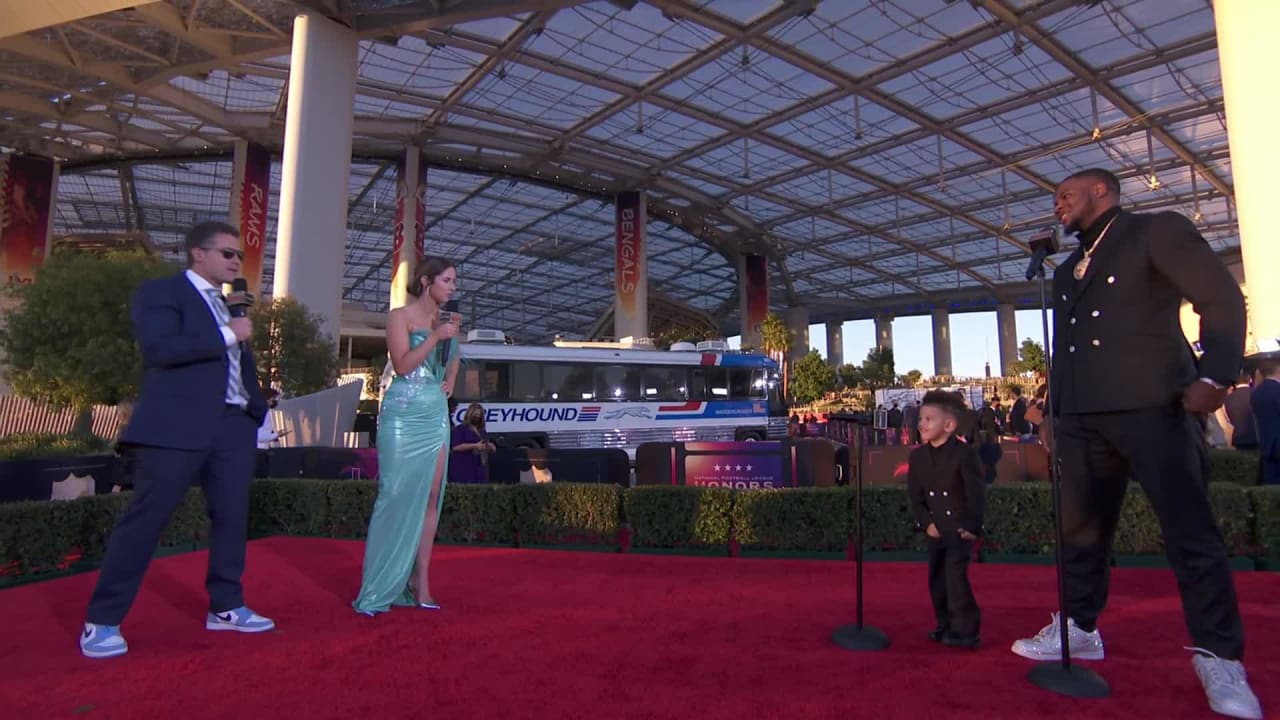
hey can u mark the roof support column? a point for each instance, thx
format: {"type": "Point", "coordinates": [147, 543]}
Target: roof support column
{"type": "Point", "coordinates": [315, 186]}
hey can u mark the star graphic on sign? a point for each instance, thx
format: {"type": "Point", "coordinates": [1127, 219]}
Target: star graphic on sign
{"type": "Point", "coordinates": [717, 468]}
{"type": "Point", "coordinates": [748, 468]}
{"type": "Point", "coordinates": [738, 468]}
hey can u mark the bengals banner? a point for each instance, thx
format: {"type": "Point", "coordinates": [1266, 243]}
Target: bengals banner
{"type": "Point", "coordinates": [250, 198]}
{"type": "Point", "coordinates": [410, 225]}
{"type": "Point", "coordinates": [27, 186]}
{"type": "Point", "coordinates": [755, 297]}
{"type": "Point", "coordinates": [631, 270]}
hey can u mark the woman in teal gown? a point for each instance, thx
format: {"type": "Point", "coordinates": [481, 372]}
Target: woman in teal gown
{"type": "Point", "coordinates": [413, 446]}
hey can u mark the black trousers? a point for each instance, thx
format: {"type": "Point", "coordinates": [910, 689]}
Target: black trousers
{"type": "Point", "coordinates": [953, 603]}
{"type": "Point", "coordinates": [161, 479]}
{"type": "Point", "coordinates": [1164, 450]}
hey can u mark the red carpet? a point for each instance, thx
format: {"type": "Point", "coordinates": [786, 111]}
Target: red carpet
{"type": "Point", "coordinates": [554, 634]}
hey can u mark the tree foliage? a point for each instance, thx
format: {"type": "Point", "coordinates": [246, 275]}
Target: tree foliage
{"type": "Point", "coordinates": [877, 369]}
{"type": "Point", "coordinates": [812, 378]}
{"type": "Point", "coordinates": [69, 341]}
{"type": "Point", "coordinates": [849, 376]}
{"type": "Point", "coordinates": [775, 339]}
{"type": "Point", "coordinates": [912, 378]}
{"type": "Point", "coordinates": [681, 333]}
{"type": "Point", "coordinates": [1031, 359]}
{"type": "Point", "coordinates": [291, 350]}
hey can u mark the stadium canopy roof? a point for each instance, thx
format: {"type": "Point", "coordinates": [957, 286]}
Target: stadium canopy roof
{"type": "Point", "coordinates": [887, 155]}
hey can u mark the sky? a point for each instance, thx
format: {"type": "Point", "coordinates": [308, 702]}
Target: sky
{"type": "Point", "coordinates": [973, 341]}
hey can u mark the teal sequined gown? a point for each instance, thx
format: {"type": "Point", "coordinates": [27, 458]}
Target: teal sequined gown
{"type": "Point", "coordinates": [413, 431]}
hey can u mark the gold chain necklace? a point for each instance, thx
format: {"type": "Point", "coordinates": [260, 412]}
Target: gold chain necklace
{"type": "Point", "coordinates": [1082, 267]}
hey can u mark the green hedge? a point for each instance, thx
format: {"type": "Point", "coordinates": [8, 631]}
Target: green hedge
{"type": "Point", "coordinates": [37, 538]}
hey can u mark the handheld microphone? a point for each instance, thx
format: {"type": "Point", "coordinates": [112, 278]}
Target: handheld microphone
{"type": "Point", "coordinates": [450, 307]}
{"type": "Point", "coordinates": [1042, 246]}
{"type": "Point", "coordinates": [240, 307]}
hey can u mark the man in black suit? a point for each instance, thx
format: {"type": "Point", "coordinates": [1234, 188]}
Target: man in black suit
{"type": "Point", "coordinates": [1018, 414]}
{"type": "Point", "coordinates": [196, 417]}
{"type": "Point", "coordinates": [1129, 398]}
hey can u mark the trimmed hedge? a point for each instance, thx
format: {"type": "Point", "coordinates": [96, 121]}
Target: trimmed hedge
{"type": "Point", "coordinates": [43, 537]}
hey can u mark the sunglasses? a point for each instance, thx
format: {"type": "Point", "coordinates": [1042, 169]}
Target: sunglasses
{"type": "Point", "coordinates": [227, 253]}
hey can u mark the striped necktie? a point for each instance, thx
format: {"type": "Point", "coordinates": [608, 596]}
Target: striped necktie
{"type": "Point", "coordinates": [236, 394]}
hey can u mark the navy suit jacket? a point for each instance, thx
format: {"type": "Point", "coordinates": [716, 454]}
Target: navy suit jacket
{"type": "Point", "coordinates": [184, 390]}
{"type": "Point", "coordinates": [1266, 412]}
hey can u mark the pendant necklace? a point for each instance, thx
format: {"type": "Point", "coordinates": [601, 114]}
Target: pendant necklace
{"type": "Point", "coordinates": [1082, 267]}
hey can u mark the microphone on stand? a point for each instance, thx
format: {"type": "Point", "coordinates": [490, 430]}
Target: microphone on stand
{"type": "Point", "coordinates": [450, 307]}
{"type": "Point", "coordinates": [1042, 246]}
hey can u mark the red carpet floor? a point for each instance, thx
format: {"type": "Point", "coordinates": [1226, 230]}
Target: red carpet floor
{"type": "Point", "coordinates": [554, 634]}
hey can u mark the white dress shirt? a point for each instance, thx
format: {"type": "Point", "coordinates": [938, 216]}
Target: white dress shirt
{"type": "Point", "coordinates": [236, 394]}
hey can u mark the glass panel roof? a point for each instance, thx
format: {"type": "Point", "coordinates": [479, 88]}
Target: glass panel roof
{"type": "Point", "coordinates": [872, 149]}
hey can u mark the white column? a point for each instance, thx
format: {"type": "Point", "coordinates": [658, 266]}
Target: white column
{"type": "Point", "coordinates": [1007, 332]}
{"type": "Point", "coordinates": [631, 267]}
{"type": "Point", "coordinates": [1246, 46]}
{"type": "Point", "coordinates": [798, 328]}
{"type": "Point", "coordinates": [835, 344]}
{"type": "Point", "coordinates": [408, 230]}
{"type": "Point", "coordinates": [942, 342]}
{"type": "Point", "coordinates": [316, 168]}
{"type": "Point", "coordinates": [884, 332]}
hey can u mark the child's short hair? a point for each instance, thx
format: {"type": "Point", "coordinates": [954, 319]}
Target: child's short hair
{"type": "Point", "coordinates": [948, 402]}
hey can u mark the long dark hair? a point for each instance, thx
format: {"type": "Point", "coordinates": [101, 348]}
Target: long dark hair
{"type": "Point", "coordinates": [429, 268]}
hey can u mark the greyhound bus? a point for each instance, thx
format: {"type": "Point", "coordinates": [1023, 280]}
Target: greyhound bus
{"type": "Point", "coordinates": [609, 395]}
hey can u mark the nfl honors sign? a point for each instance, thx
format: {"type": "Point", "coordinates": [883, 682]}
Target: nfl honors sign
{"type": "Point", "coordinates": [631, 270]}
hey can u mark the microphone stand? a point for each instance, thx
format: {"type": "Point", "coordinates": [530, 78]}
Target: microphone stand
{"type": "Point", "coordinates": [858, 636]}
{"type": "Point", "coordinates": [1060, 677]}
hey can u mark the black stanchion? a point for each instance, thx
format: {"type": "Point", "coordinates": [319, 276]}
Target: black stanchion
{"type": "Point", "coordinates": [1060, 677]}
{"type": "Point", "coordinates": [859, 636]}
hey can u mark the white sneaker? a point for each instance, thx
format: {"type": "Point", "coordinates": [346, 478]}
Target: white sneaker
{"type": "Point", "coordinates": [1047, 644]}
{"type": "Point", "coordinates": [102, 641]}
{"type": "Point", "coordinates": [1226, 686]}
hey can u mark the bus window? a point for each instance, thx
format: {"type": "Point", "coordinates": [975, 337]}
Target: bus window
{"type": "Point", "coordinates": [740, 384]}
{"type": "Point", "coordinates": [526, 382]}
{"type": "Point", "coordinates": [468, 390]}
{"type": "Point", "coordinates": [709, 383]}
{"type": "Point", "coordinates": [567, 383]}
{"type": "Point", "coordinates": [665, 384]}
{"type": "Point", "coordinates": [618, 383]}
{"type": "Point", "coordinates": [496, 381]}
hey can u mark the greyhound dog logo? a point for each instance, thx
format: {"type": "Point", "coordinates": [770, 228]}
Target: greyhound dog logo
{"type": "Point", "coordinates": [642, 413]}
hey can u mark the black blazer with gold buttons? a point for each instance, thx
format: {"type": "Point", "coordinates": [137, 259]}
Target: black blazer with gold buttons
{"type": "Point", "coordinates": [1118, 343]}
{"type": "Point", "coordinates": [946, 488]}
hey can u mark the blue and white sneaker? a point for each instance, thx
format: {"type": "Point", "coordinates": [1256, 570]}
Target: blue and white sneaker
{"type": "Point", "coordinates": [102, 641]}
{"type": "Point", "coordinates": [241, 619]}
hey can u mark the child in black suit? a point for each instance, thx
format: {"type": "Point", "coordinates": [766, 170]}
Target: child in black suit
{"type": "Point", "coordinates": [947, 495]}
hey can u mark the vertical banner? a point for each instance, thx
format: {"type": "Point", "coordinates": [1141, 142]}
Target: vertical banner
{"type": "Point", "coordinates": [27, 187]}
{"type": "Point", "coordinates": [754, 292]}
{"type": "Point", "coordinates": [411, 175]}
{"type": "Point", "coordinates": [631, 269]}
{"type": "Point", "coordinates": [250, 198]}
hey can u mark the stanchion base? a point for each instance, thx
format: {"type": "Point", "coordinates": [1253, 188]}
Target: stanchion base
{"type": "Point", "coordinates": [1072, 681]}
{"type": "Point", "coordinates": [866, 638]}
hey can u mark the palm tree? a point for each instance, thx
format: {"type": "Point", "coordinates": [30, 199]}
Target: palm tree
{"type": "Point", "coordinates": [775, 340]}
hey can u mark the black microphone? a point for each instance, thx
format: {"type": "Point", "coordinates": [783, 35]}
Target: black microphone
{"type": "Point", "coordinates": [240, 307]}
{"type": "Point", "coordinates": [450, 307]}
{"type": "Point", "coordinates": [1042, 246]}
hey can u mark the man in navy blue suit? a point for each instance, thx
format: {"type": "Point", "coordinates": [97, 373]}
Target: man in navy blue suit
{"type": "Point", "coordinates": [196, 418]}
{"type": "Point", "coordinates": [1265, 401]}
